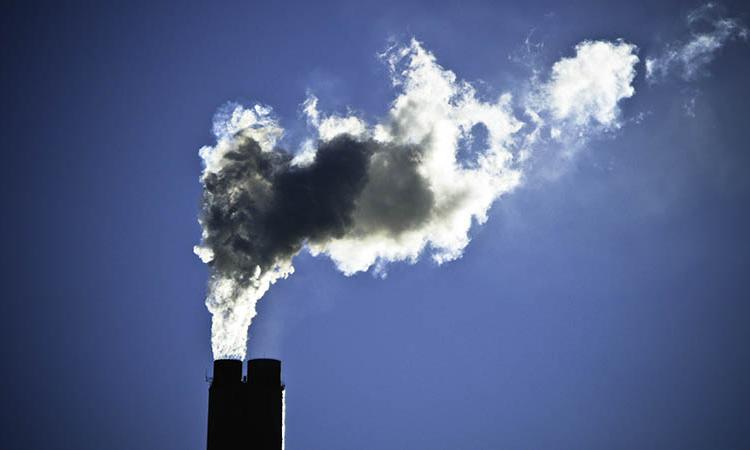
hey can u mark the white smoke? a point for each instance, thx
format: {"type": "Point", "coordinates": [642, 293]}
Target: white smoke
{"type": "Point", "coordinates": [588, 87]}
{"type": "Point", "coordinates": [710, 31]}
{"type": "Point", "coordinates": [419, 197]}
{"type": "Point", "coordinates": [437, 112]}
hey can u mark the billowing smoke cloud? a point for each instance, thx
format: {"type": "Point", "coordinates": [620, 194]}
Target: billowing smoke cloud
{"type": "Point", "coordinates": [368, 195]}
{"type": "Point", "coordinates": [588, 87]}
{"type": "Point", "coordinates": [578, 101]}
{"type": "Point", "coordinates": [710, 31]}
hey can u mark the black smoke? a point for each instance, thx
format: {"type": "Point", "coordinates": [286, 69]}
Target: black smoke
{"type": "Point", "coordinates": [260, 209]}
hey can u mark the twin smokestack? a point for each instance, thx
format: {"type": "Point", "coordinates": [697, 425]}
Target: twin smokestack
{"type": "Point", "coordinates": [245, 412]}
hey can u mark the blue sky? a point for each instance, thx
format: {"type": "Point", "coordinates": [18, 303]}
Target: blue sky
{"type": "Point", "coordinates": [602, 305]}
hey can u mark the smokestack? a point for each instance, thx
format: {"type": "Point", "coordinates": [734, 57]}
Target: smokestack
{"type": "Point", "coordinates": [245, 413]}
{"type": "Point", "coordinates": [264, 404]}
{"type": "Point", "coordinates": [225, 410]}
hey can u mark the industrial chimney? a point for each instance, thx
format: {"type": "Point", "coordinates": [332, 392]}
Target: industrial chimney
{"type": "Point", "coordinates": [245, 414]}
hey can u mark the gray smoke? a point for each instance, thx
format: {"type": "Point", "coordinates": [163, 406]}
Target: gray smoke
{"type": "Point", "coordinates": [260, 209]}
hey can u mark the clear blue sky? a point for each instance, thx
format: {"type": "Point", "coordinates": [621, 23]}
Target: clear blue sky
{"type": "Point", "coordinates": [607, 308]}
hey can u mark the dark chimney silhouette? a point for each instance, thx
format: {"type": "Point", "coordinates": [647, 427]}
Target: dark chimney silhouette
{"type": "Point", "coordinates": [245, 413]}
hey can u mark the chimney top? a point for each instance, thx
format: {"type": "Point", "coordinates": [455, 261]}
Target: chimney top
{"type": "Point", "coordinates": [227, 371]}
{"type": "Point", "coordinates": [264, 371]}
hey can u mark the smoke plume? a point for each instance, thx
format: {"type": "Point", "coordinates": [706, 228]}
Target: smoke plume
{"type": "Point", "coordinates": [368, 195]}
{"type": "Point", "coordinates": [709, 32]}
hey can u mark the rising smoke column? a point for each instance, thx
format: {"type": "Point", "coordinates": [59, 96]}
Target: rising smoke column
{"type": "Point", "coordinates": [363, 195]}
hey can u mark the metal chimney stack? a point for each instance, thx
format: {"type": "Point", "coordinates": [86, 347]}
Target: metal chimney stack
{"type": "Point", "coordinates": [245, 414]}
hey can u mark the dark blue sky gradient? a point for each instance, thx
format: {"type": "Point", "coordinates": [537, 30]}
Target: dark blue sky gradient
{"type": "Point", "coordinates": [606, 309]}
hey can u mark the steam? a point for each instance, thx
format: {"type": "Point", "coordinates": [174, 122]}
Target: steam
{"type": "Point", "coordinates": [710, 31]}
{"type": "Point", "coordinates": [367, 195]}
